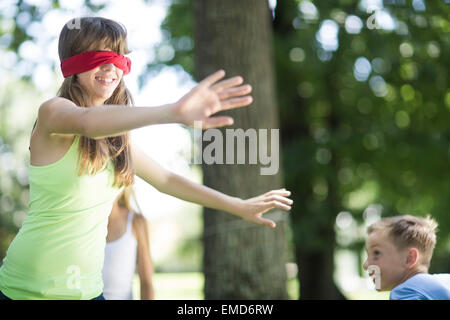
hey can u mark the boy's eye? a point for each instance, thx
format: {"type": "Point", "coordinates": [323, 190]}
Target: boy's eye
{"type": "Point", "coordinates": [376, 252]}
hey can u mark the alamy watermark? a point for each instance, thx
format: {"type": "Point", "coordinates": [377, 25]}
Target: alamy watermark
{"type": "Point", "coordinates": [73, 281]}
{"type": "Point", "coordinates": [371, 22]}
{"type": "Point", "coordinates": [74, 24]}
{"type": "Point", "coordinates": [235, 140]}
{"type": "Point", "coordinates": [375, 273]}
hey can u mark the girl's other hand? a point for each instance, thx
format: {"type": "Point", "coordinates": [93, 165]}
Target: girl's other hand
{"type": "Point", "coordinates": [252, 209]}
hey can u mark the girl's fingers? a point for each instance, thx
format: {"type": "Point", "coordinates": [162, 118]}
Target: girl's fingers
{"type": "Point", "coordinates": [267, 222]}
{"type": "Point", "coordinates": [213, 78]}
{"type": "Point", "coordinates": [279, 205]}
{"type": "Point", "coordinates": [268, 201]}
{"type": "Point", "coordinates": [281, 192]}
{"type": "Point", "coordinates": [236, 103]}
{"type": "Point", "coordinates": [228, 83]}
{"type": "Point", "coordinates": [235, 92]}
{"type": "Point", "coordinates": [217, 122]}
{"type": "Point", "coordinates": [279, 198]}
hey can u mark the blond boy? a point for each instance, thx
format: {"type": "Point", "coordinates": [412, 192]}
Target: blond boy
{"type": "Point", "coordinates": [399, 253]}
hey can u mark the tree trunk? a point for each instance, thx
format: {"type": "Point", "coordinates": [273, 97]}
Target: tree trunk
{"type": "Point", "coordinates": [241, 260]}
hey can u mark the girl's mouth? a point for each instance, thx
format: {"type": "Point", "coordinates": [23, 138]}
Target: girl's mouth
{"type": "Point", "coordinates": [105, 81]}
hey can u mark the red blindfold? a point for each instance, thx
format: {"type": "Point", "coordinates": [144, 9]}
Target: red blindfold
{"type": "Point", "coordinates": [91, 59]}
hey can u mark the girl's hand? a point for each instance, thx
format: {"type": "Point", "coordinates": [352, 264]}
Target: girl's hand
{"type": "Point", "coordinates": [211, 96]}
{"type": "Point", "coordinates": [252, 209]}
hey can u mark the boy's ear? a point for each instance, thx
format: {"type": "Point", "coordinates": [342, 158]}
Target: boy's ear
{"type": "Point", "coordinates": [412, 257]}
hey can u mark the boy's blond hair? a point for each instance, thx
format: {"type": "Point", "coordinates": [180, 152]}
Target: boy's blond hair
{"type": "Point", "coordinates": [409, 231]}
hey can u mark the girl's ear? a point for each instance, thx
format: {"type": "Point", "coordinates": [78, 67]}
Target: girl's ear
{"type": "Point", "coordinates": [412, 257]}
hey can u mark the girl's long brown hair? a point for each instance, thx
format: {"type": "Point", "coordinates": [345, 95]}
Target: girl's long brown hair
{"type": "Point", "coordinates": [91, 34]}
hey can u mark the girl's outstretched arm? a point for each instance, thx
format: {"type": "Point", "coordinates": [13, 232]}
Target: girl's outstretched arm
{"type": "Point", "coordinates": [210, 96]}
{"type": "Point", "coordinates": [182, 188]}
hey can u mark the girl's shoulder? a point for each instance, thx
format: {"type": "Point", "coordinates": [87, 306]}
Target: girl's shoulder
{"type": "Point", "coordinates": [46, 149]}
{"type": "Point", "coordinates": [48, 108]}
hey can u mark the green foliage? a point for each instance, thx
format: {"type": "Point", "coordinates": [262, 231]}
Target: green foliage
{"type": "Point", "coordinates": [388, 131]}
{"type": "Point", "coordinates": [177, 46]}
{"type": "Point", "coordinates": [14, 137]}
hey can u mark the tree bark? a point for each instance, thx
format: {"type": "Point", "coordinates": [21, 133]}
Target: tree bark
{"type": "Point", "coordinates": [241, 260]}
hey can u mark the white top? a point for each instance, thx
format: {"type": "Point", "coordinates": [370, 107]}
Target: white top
{"type": "Point", "coordinates": [120, 265]}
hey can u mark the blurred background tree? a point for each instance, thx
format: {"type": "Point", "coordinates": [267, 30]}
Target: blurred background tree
{"type": "Point", "coordinates": [372, 138]}
{"type": "Point", "coordinates": [364, 100]}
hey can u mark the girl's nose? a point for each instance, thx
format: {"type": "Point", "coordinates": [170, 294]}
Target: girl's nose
{"type": "Point", "coordinates": [108, 66]}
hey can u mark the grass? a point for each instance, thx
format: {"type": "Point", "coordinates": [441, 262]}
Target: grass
{"type": "Point", "coordinates": [189, 286]}
{"type": "Point", "coordinates": [176, 286]}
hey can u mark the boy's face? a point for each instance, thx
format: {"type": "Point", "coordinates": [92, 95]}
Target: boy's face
{"type": "Point", "coordinates": [384, 257]}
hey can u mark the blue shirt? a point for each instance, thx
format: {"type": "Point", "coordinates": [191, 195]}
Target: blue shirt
{"type": "Point", "coordinates": [423, 286]}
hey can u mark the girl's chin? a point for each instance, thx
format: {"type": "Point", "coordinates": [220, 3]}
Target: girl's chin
{"type": "Point", "coordinates": [104, 94]}
{"type": "Point", "coordinates": [101, 99]}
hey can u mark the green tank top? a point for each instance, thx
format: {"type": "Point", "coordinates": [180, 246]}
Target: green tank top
{"type": "Point", "coordinates": [58, 252]}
